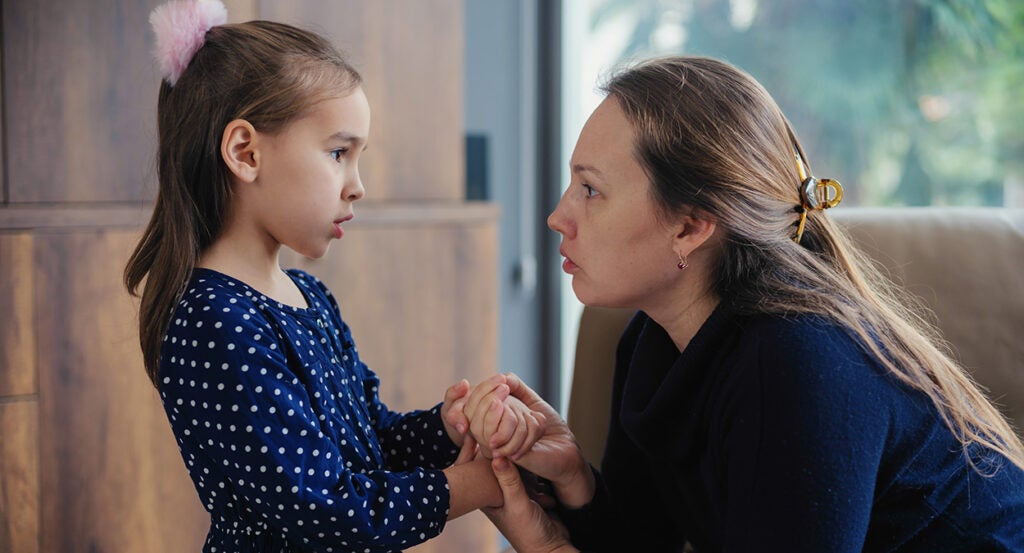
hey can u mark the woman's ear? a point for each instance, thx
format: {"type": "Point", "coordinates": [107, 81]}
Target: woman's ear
{"type": "Point", "coordinates": [238, 148]}
{"type": "Point", "coordinates": [693, 231]}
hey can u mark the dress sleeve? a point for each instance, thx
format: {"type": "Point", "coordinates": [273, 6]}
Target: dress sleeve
{"type": "Point", "coordinates": [413, 439]}
{"type": "Point", "coordinates": [249, 434]}
{"type": "Point", "coordinates": [803, 447]}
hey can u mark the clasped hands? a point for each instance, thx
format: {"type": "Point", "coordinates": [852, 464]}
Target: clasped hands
{"type": "Point", "coordinates": [490, 421]}
{"type": "Point", "coordinates": [504, 420]}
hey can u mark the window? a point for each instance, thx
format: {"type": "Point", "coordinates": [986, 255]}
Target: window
{"type": "Point", "coordinates": [908, 102]}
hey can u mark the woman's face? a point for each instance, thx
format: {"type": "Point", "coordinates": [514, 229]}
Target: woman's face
{"type": "Point", "coordinates": [618, 251]}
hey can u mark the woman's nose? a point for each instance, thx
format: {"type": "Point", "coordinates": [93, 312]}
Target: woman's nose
{"type": "Point", "coordinates": [559, 221]}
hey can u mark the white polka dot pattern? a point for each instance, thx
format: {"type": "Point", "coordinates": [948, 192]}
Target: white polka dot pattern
{"type": "Point", "coordinates": [282, 430]}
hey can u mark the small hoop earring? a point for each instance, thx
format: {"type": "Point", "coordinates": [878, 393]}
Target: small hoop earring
{"type": "Point", "coordinates": [682, 262]}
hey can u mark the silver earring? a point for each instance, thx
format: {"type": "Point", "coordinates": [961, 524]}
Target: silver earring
{"type": "Point", "coordinates": [682, 262]}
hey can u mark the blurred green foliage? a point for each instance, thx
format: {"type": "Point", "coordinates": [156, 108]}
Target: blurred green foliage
{"type": "Point", "coordinates": [907, 102]}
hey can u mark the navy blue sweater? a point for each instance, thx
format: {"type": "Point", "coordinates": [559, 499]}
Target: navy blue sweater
{"type": "Point", "coordinates": [781, 434]}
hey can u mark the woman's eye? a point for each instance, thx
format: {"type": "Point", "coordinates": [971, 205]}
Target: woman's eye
{"type": "Point", "coordinates": [338, 154]}
{"type": "Point", "coordinates": [588, 191]}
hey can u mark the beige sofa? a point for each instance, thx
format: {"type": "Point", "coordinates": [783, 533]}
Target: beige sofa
{"type": "Point", "coordinates": [965, 264]}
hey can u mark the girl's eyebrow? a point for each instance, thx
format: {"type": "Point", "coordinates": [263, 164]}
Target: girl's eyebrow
{"type": "Point", "coordinates": [347, 137]}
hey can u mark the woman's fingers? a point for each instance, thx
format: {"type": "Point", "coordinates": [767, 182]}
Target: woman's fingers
{"type": "Point", "coordinates": [510, 482]}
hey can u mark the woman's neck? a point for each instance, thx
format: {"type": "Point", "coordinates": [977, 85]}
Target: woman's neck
{"type": "Point", "coordinates": [682, 319]}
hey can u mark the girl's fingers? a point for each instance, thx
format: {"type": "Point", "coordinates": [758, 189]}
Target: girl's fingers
{"type": "Point", "coordinates": [456, 415]}
{"type": "Point", "coordinates": [536, 425]}
{"type": "Point", "coordinates": [519, 437]}
{"type": "Point", "coordinates": [482, 390]}
{"type": "Point", "coordinates": [505, 428]}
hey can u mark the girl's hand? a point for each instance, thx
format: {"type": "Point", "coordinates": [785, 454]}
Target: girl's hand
{"type": "Point", "coordinates": [453, 411]}
{"type": "Point", "coordinates": [505, 427]}
{"type": "Point", "coordinates": [555, 456]}
{"type": "Point", "coordinates": [522, 521]}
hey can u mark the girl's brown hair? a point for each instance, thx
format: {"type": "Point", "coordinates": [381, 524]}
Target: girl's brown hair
{"type": "Point", "coordinates": [269, 74]}
{"type": "Point", "coordinates": [711, 138]}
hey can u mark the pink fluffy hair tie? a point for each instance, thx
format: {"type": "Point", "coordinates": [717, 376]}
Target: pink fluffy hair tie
{"type": "Point", "coordinates": [181, 27]}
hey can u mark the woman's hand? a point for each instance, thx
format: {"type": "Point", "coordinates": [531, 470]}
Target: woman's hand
{"type": "Point", "coordinates": [501, 424]}
{"type": "Point", "coordinates": [555, 456]}
{"type": "Point", "coordinates": [521, 520]}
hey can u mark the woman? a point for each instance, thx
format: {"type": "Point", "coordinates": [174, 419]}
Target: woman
{"type": "Point", "coordinates": [772, 393]}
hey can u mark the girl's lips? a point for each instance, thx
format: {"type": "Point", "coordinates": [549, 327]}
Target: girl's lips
{"type": "Point", "coordinates": [568, 266]}
{"type": "Point", "coordinates": [338, 232]}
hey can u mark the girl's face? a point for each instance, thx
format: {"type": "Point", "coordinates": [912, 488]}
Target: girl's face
{"type": "Point", "coordinates": [617, 250]}
{"type": "Point", "coordinates": [309, 174]}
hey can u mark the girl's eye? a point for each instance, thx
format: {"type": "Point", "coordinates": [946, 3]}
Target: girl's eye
{"type": "Point", "coordinates": [338, 154]}
{"type": "Point", "coordinates": [588, 191]}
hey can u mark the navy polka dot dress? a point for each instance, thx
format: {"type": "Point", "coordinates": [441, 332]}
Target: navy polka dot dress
{"type": "Point", "coordinates": [282, 430]}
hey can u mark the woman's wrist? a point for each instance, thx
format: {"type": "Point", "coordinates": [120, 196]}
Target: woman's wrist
{"type": "Point", "coordinates": [579, 489]}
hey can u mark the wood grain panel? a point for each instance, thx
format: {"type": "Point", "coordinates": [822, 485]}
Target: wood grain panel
{"type": "Point", "coordinates": [410, 55]}
{"type": "Point", "coordinates": [422, 304]}
{"type": "Point", "coordinates": [3, 173]}
{"type": "Point", "coordinates": [19, 476]}
{"type": "Point", "coordinates": [80, 90]}
{"type": "Point", "coordinates": [112, 478]}
{"type": "Point", "coordinates": [83, 216]}
{"type": "Point", "coordinates": [17, 339]}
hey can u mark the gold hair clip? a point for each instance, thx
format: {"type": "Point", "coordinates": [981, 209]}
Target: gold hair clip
{"type": "Point", "coordinates": [815, 194]}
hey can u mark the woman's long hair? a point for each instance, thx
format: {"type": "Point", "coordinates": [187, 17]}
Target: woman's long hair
{"type": "Point", "coordinates": [710, 137]}
{"type": "Point", "coordinates": [269, 74]}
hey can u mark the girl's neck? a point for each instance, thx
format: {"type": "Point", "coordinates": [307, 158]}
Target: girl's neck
{"type": "Point", "coordinates": [254, 262]}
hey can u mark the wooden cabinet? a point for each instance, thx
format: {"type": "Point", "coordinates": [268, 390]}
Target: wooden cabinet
{"type": "Point", "coordinates": [87, 460]}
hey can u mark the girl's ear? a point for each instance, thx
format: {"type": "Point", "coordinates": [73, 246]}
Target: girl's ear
{"type": "Point", "coordinates": [693, 231]}
{"type": "Point", "coordinates": [238, 148]}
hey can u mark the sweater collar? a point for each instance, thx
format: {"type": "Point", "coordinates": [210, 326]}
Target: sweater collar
{"type": "Point", "coordinates": [663, 385]}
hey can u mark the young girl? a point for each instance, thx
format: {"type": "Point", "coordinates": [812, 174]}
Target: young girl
{"type": "Point", "coordinates": [261, 126]}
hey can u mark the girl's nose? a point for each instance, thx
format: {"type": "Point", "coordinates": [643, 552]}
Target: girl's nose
{"type": "Point", "coordinates": [354, 190]}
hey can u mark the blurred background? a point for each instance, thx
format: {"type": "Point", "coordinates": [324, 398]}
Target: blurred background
{"type": "Point", "coordinates": [449, 270]}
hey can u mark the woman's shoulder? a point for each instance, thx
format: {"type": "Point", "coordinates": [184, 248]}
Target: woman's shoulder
{"type": "Point", "coordinates": [801, 354]}
{"type": "Point", "coordinates": [801, 336]}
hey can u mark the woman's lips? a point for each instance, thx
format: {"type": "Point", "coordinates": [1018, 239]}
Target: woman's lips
{"type": "Point", "coordinates": [567, 264]}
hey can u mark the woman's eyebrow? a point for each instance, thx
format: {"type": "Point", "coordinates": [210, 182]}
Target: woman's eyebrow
{"type": "Point", "coordinates": [579, 168]}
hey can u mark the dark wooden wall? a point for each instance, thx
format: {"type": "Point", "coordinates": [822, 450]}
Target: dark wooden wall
{"type": "Point", "coordinates": [87, 460]}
